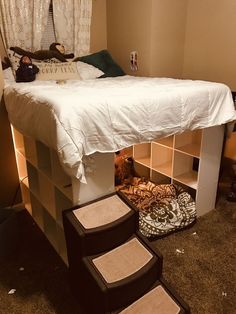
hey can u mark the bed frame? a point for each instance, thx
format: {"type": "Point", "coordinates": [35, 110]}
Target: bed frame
{"type": "Point", "coordinates": [47, 190]}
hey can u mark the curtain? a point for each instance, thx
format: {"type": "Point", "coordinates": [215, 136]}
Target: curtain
{"type": "Point", "coordinates": [39, 21]}
{"type": "Point", "coordinates": [22, 22]}
{"type": "Point", "coordinates": [72, 20]}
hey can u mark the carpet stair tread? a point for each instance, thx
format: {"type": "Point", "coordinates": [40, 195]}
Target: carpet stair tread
{"type": "Point", "coordinates": [121, 275]}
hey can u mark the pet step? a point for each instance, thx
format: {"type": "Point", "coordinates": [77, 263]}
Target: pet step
{"type": "Point", "coordinates": [161, 298]}
{"type": "Point", "coordinates": [118, 277]}
{"type": "Point", "coordinates": [98, 226]}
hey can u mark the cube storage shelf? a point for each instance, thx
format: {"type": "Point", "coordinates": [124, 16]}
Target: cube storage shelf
{"type": "Point", "coordinates": [190, 159]}
{"type": "Point", "coordinates": [47, 190]}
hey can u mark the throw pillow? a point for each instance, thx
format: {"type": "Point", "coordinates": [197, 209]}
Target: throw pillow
{"type": "Point", "coordinates": [88, 71]}
{"type": "Point", "coordinates": [57, 71]}
{"type": "Point", "coordinates": [104, 62]}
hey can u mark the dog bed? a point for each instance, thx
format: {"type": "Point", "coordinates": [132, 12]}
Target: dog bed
{"type": "Point", "coordinates": [163, 208]}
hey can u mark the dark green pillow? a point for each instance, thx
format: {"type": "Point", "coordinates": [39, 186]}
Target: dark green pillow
{"type": "Point", "coordinates": [104, 62]}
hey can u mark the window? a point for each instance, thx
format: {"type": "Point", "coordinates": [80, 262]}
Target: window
{"type": "Point", "coordinates": [49, 33]}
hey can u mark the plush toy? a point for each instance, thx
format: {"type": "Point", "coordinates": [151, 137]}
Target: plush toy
{"type": "Point", "coordinates": [56, 50]}
{"type": "Point", "coordinates": [26, 71]}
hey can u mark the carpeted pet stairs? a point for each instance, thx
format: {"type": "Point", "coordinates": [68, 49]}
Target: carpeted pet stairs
{"type": "Point", "coordinates": [113, 268]}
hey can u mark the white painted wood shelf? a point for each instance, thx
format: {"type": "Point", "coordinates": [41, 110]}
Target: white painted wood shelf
{"type": "Point", "coordinates": [191, 159]}
{"type": "Point", "coordinates": [47, 190]}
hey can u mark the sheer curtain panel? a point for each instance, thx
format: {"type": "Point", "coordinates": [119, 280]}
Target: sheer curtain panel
{"type": "Point", "coordinates": [22, 22]}
{"type": "Point", "coordinates": [72, 20]}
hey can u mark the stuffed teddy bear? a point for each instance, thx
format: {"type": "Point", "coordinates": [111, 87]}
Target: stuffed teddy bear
{"type": "Point", "coordinates": [26, 72]}
{"type": "Point", "coordinates": [56, 50]}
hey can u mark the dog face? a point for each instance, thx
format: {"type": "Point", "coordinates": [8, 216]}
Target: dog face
{"type": "Point", "coordinates": [124, 168]}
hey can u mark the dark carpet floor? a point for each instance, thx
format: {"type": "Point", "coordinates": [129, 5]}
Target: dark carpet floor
{"type": "Point", "coordinates": [200, 263]}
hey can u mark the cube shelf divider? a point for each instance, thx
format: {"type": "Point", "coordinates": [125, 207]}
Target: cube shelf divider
{"type": "Point", "coordinates": [191, 159]}
{"type": "Point", "coordinates": [47, 190]}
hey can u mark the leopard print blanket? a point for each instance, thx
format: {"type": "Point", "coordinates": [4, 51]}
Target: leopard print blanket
{"type": "Point", "coordinates": [163, 208]}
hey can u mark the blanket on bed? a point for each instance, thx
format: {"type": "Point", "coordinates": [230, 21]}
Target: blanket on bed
{"type": "Point", "coordinates": [105, 115]}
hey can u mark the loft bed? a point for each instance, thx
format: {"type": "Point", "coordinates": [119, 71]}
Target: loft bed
{"type": "Point", "coordinates": [66, 134]}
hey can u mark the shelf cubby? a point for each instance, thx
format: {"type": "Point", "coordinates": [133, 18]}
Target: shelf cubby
{"type": "Point", "coordinates": [47, 196]}
{"type": "Point", "coordinates": [30, 150]}
{"type": "Point", "coordinates": [166, 141]}
{"type": "Point", "coordinates": [37, 211]}
{"type": "Point", "coordinates": [61, 179]}
{"type": "Point", "coordinates": [142, 153]}
{"type": "Point", "coordinates": [183, 170]}
{"type": "Point", "coordinates": [189, 142]}
{"type": "Point", "coordinates": [141, 170]}
{"type": "Point", "coordinates": [33, 178]}
{"type": "Point", "coordinates": [159, 178]}
{"type": "Point", "coordinates": [43, 158]}
{"type": "Point", "coordinates": [186, 188]}
{"type": "Point", "coordinates": [162, 159]}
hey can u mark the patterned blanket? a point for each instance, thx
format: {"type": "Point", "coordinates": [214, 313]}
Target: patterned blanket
{"type": "Point", "coordinates": [163, 208]}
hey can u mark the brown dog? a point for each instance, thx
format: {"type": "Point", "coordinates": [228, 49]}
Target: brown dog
{"type": "Point", "coordinates": [124, 168]}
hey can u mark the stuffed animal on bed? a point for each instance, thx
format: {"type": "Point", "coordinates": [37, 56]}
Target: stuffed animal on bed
{"type": "Point", "coordinates": [56, 50]}
{"type": "Point", "coordinates": [26, 71]}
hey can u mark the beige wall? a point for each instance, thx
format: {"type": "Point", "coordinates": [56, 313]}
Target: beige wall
{"type": "Point", "coordinates": [210, 46]}
{"type": "Point", "coordinates": [176, 38]}
{"type": "Point", "coordinates": [154, 28]}
{"type": "Point", "coordinates": [128, 29]}
{"type": "Point", "coordinates": [168, 37]}
{"type": "Point", "coordinates": [99, 26]}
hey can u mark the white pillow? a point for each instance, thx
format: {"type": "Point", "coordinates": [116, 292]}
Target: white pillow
{"type": "Point", "coordinates": [57, 71]}
{"type": "Point", "coordinates": [88, 71]}
{"type": "Point", "coordinates": [8, 74]}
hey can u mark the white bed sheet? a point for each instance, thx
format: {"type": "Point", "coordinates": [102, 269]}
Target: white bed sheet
{"type": "Point", "coordinates": [105, 115]}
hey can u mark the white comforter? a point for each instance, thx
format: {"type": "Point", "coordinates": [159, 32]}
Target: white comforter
{"type": "Point", "coordinates": [105, 115]}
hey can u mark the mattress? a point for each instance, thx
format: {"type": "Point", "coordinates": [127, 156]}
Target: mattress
{"type": "Point", "coordinates": [82, 117]}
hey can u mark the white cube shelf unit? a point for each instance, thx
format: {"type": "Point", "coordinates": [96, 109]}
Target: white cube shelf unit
{"type": "Point", "coordinates": [47, 190]}
{"type": "Point", "coordinates": [191, 159]}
